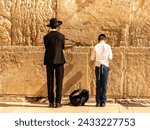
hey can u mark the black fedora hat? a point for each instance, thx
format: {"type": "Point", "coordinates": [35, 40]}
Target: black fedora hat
{"type": "Point", "coordinates": [54, 23]}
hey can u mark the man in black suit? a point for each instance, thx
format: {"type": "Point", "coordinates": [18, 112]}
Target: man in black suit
{"type": "Point", "coordinates": [54, 60]}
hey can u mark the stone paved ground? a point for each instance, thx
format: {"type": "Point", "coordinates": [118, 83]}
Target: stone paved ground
{"type": "Point", "coordinates": [18, 107]}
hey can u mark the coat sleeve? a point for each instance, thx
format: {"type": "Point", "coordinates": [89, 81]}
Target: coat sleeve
{"type": "Point", "coordinates": [63, 42]}
{"type": "Point", "coordinates": [45, 42]}
{"type": "Point", "coordinates": [45, 61]}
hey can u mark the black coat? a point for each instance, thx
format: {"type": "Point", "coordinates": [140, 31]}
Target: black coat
{"type": "Point", "coordinates": [54, 44]}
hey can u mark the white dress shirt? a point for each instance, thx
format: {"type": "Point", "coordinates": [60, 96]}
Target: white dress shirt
{"type": "Point", "coordinates": [101, 53]}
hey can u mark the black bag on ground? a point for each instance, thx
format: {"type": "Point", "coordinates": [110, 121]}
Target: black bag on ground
{"type": "Point", "coordinates": [79, 97]}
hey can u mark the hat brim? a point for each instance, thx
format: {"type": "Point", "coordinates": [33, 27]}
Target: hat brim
{"type": "Point", "coordinates": [56, 25]}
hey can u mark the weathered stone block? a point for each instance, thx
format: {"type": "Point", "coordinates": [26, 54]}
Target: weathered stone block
{"type": "Point", "coordinates": [116, 74]}
{"type": "Point", "coordinates": [1, 89]}
{"type": "Point", "coordinates": [125, 22]}
{"type": "Point", "coordinates": [23, 73]}
{"type": "Point", "coordinates": [5, 22]}
{"type": "Point", "coordinates": [137, 72]}
{"type": "Point", "coordinates": [76, 72]}
{"type": "Point", "coordinates": [29, 21]}
{"type": "Point", "coordinates": [23, 22]}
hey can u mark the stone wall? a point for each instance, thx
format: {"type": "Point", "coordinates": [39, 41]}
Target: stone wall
{"type": "Point", "coordinates": [125, 22]}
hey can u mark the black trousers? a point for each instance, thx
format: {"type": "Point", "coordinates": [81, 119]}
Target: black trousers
{"type": "Point", "coordinates": [58, 69]}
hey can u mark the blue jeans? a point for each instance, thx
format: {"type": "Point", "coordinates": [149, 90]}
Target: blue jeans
{"type": "Point", "coordinates": [101, 83]}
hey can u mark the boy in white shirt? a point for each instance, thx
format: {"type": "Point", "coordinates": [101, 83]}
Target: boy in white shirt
{"type": "Point", "coordinates": [101, 54]}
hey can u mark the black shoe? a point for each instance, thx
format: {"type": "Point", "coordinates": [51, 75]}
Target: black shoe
{"type": "Point", "coordinates": [51, 105]}
{"type": "Point", "coordinates": [102, 105]}
{"type": "Point", "coordinates": [58, 105]}
{"type": "Point", "coordinates": [97, 104]}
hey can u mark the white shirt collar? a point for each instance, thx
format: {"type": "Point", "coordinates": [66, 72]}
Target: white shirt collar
{"type": "Point", "coordinates": [54, 29]}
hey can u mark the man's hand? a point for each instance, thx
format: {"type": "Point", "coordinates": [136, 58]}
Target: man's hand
{"type": "Point", "coordinates": [68, 47]}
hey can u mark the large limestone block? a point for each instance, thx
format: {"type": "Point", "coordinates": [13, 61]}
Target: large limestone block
{"type": "Point", "coordinates": [5, 22]}
{"type": "Point", "coordinates": [137, 72]}
{"type": "Point", "coordinates": [23, 72]}
{"type": "Point", "coordinates": [116, 74]}
{"type": "Point", "coordinates": [76, 72]}
{"type": "Point", "coordinates": [126, 22]}
{"type": "Point", "coordinates": [23, 22]}
{"type": "Point", "coordinates": [29, 21]}
{"type": "Point", "coordinates": [1, 89]}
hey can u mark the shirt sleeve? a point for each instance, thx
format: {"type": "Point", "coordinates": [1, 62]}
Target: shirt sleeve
{"type": "Point", "coordinates": [110, 55]}
{"type": "Point", "coordinates": [93, 54]}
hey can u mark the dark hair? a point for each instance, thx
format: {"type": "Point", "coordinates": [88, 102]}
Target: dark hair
{"type": "Point", "coordinates": [101, 37]}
